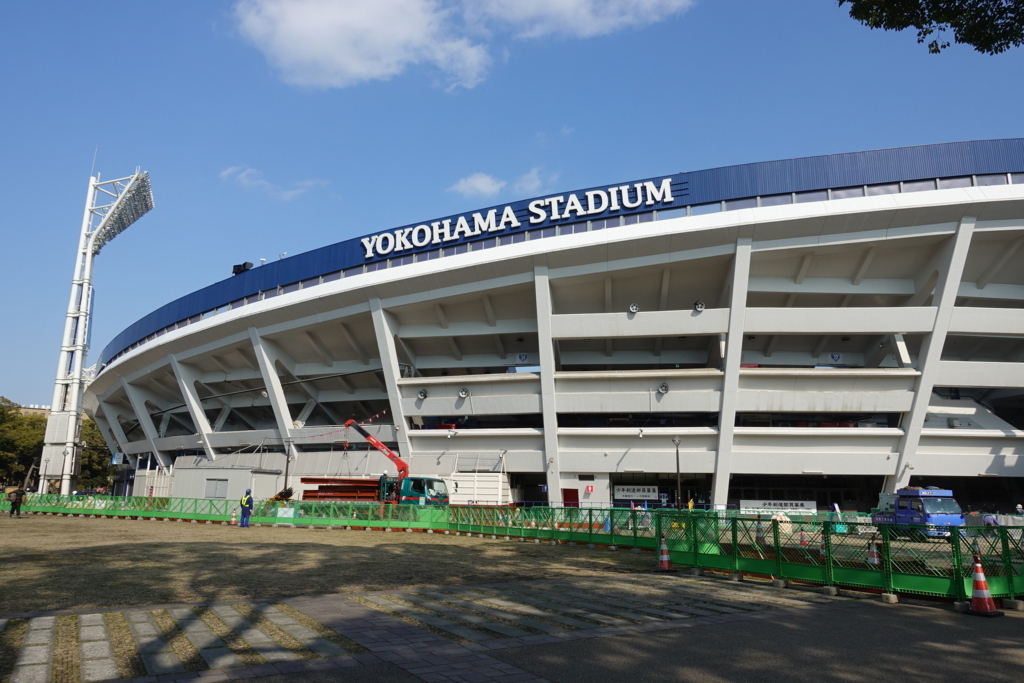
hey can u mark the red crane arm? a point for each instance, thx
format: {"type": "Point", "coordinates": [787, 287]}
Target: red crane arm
{"type": "Point", "coordinates": [403, 467]}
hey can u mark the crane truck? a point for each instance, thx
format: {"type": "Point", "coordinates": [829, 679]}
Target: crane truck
{"type": "Point", "coordinates": [400, 490]}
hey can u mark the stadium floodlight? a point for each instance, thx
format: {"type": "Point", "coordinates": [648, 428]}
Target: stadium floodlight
{"type": "Point", "coordinates": [111, 207]}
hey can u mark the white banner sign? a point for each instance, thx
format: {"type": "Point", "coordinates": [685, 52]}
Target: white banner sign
{"type": "Point", "coordinates": [779, 505]}
{"type": "Point", "coordinates": [636, 493]}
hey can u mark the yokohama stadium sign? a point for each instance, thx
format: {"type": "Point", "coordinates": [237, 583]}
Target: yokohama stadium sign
{"type": "Point", "coordinates": [575, 207]}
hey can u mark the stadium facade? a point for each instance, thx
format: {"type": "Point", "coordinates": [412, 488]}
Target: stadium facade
{"type": "Point", "coordinates": [822, 327]}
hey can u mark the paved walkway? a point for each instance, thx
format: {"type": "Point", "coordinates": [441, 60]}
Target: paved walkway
{"type": "Point", "coordinates": [433, 635]}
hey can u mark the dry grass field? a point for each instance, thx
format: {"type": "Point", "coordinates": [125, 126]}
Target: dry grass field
{"type": "Point", "coordinates": [54, 563]}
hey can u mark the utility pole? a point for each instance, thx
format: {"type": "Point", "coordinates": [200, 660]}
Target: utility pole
{"type": "Point", "coordinates": [679, 478]}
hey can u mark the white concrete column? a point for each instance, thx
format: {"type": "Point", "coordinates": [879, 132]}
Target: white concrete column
{"type": "Point", "coordinates": [275, 392]}
{"type": "Point", "coordinates": [137, 397]}
{"type": "Point", "coordinates": [951, 268]}
{"type": "Point", "coordinates": [385, 327]}
{"type": "Point", "coordinates": [111, 413]}
{"type": "Point", "coordinates": [731, 367]}
{"type": "Point", "coordinates": [542, 290]}
{"type": "Point", "coordinates": [187, 376]}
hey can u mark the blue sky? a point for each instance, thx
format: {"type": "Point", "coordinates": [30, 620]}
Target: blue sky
{"type": "Point", "coordinates": [273, 126]}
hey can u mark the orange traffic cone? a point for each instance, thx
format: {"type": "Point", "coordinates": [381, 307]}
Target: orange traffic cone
{"type": "Point", "coordinates": [233, 521]}
{"type": "Point", "coordinates": [982, 604]}
{"type": "Point", "coordinates": [664, 561]}
{"type": "Point", "coordinates": [873, 557]}
{"type": "Point", "coordinates": [803, 539]}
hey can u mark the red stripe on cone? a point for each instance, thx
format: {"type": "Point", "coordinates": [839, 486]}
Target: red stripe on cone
{"type": "Point", "coordinates": [664, 561]}
{"type": "Point", "coordinates": [873, 557]}
{"type": "Point", "coordinates": [981, 599]}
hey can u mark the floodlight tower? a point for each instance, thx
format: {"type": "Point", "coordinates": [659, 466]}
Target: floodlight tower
{"type": "Point", "coordinates": [111, 206]}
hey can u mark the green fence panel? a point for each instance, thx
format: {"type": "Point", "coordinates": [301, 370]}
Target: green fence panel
{"type": "Point", "coordinates": [753, 550]}
{"type": "Point", "coordinates": [999, 565]}
{"type": "Point", "coordinates": [843, 551]}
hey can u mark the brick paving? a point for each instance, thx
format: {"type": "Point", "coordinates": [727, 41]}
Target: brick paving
{"type": "Point", "coordinates": [437, 635]}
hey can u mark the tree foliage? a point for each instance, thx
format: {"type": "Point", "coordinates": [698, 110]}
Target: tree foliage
{"type": "Point", "coordinates": [989, 26]}
{"type": "Point", "coordinates": [21, 445]}
{"type": "Point", "coordinates": [21, 441]}
{"type": "Point", "coordinates": [96, 468]}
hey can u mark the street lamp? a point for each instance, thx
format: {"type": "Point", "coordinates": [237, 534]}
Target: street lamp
{"type": "Point", "coordinates": [679, 479]}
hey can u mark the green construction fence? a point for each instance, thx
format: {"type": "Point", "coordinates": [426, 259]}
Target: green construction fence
{"type": "Point", "coordinates": [832, 552]}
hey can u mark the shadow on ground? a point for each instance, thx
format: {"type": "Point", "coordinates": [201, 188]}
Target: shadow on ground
{"type": "Point", "coordinates": [864, 644]}
{"type": "Point", "coordinates": [64, 563]}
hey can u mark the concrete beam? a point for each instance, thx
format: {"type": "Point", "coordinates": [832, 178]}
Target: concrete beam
{"type": "Point", "coordinates": [952, 257]}
{"type": "Point", "coordinates": [869, 320]}
{"type": "Point", "coordinates": [318, 347]}
{"type": "Point", "coordinates": [642, 324]}
{"type": "Point", "coordinates": [542, 291]}
{"type": "Point", "coordinates": [731, 378]}
{"type": "Point", "coordinates": [489, 310]}
{"type": "Point", "coordinates": [865, 263]}
{"type": "Point", "coordinates": [187, 376]}
{"type": "Point", "coordinates": [999, 263]}
{"type": "Point", "coordinates": [965, 374]}
{"type": "Point", "coordinates": [354, 344]}
{"type": "Point", "coordinates": [385, 327]}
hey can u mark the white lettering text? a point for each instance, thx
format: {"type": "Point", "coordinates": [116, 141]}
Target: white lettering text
{"type": "Point", "coordinates": [421, 235]}
{"type": "Point", "coordinates": [553, 202]}
{"type": "Point", "coordinates": [385, 237]}
{"type": "Point", "coordinates": [481, 224]}
{"type": "Point", "coordinates": [402, 239]}
{"type": "Point", "coordinates": [508, 216]}
{"type": "Point", "coordinates": [591, 209]}
{"type": "Point", "coordinates": [655, 195]}
{"type": "Point", "coordinates": [573, 206]}
{"type": "Point", "coordinates": [537, 209]}
{"type": "Point", "coordinates": [639, 196]}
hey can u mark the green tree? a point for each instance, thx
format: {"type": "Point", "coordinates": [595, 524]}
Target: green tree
{"type": "Point", "coordinates": [989, 26]}
{"type": "Point", "coordinates": [21, 441]}
{"type": "Point", "coordinates": [21, 445]}
{"type": "Point", "coordinates": [96, 468]}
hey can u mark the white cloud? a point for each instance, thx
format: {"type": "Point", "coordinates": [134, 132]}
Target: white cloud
{"type": "Point", "coordinates": [478, 185]}
{"type": "Point", "coordinates": [575, 18]}
{"type": "Point", "coordinates": [339, 43]}
{"type": "Point", "coordinates": [528, 183]}
{"type": "Point", "coordinates": [533, 181]}
{"type": "Point", "coordinates": [253, 178]}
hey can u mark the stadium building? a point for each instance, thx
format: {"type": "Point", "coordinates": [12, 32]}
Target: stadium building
{"type": "Point", "coordinates": [816, 329]}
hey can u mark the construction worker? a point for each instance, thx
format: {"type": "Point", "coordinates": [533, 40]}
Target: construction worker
{"type": "Point", "coordinates": [246, 508]}
{"type": "Point", "coordinates": [16, 497]}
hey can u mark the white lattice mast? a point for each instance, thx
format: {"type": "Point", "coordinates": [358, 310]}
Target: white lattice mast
{"type": "Point", "coordinates": [111, 206]}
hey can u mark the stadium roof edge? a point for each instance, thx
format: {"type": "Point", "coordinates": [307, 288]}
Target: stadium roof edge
{"type": "Point", "coordinates": [694, 188]}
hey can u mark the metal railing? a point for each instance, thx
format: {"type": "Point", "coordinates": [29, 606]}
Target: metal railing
{"type": "Point", "coordinates": [829, 551]}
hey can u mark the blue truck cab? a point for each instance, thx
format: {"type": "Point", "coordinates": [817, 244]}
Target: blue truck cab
{"type": "Point", "coordinates": [932, 508]}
